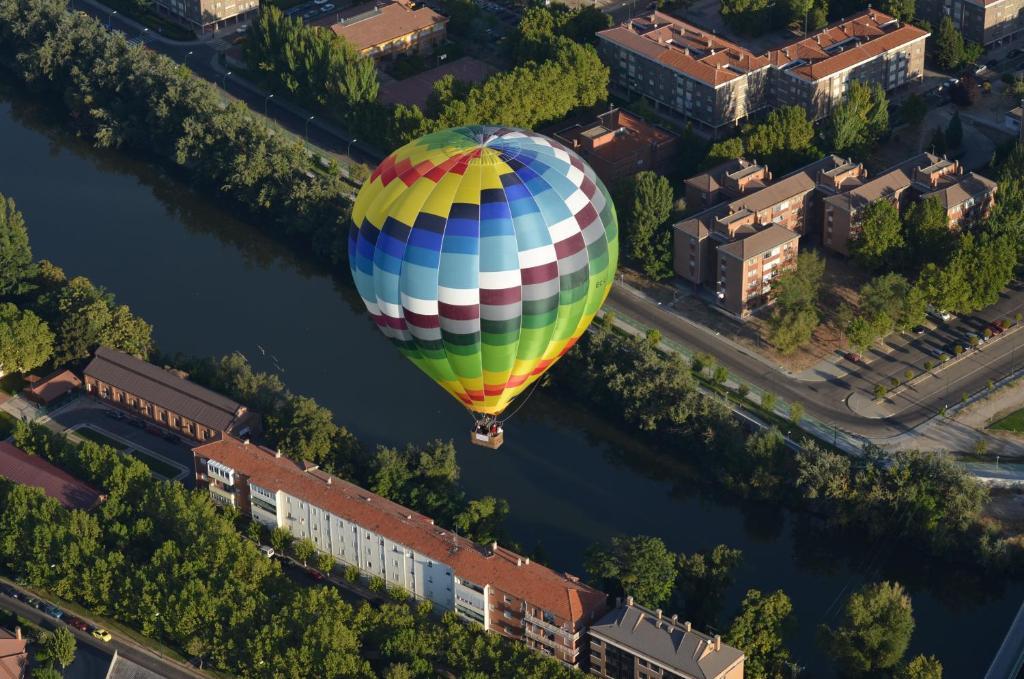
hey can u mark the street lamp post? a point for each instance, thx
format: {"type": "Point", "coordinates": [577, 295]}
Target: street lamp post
{"type": "Point", "coordinates": [266, 102]}
{"type": "Point", "coordinates": [306, 135]}
{"type": "Point", "coordinates": [348, 151]}
{"type": "Point", "coordinates": [110, 18]}
{"type": "Point", "coordinates": [186, 58]}
{"type": "Point", "coordinates": [224, 81]}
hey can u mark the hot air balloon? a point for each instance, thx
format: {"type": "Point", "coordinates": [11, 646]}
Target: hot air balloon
{"type": "Point", "coordinates": [483, 253]}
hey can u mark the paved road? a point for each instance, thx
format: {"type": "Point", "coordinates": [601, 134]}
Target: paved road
{"type": "Point", "coordinates": [826, 398]}
{"type": "Point", "coordinates": [126, 648]}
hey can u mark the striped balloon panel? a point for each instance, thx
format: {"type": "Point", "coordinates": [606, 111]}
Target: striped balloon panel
{"type": "Point", "coordinates": [483, 253]}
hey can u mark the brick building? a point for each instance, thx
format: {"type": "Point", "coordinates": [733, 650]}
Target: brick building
{"type": "Point", "coordinates": [725, 181]}
{"type": "Point", "coordinates": [738, 247]}
{"type": "Point", "coordinates": [632, 642]}
{"type": "Point", "coordinates": [13, 654]}
{"type": "Point", "coordinates": [873, 47]}
{"type": "Point", "coordinates": [164, 397]}
{"type": "Point", "coordinates": [990, 23]}
{"type": "Point", "coordinates": [207, 16]}
{"type": "Point", "coordinates": [383, 30]}
{"type": "Point", "coordinates": [492, 586]}
{"type": "Point", "coordinates": [48, 389]}
{"type": "Point", "coordinates": [966, 196]}
{"type": "Point", "coordinates": [685, 72]}
{"type": "Point", "coordinates": [619, 144]}
{"type": "Point", "coordinates": [697, 77]}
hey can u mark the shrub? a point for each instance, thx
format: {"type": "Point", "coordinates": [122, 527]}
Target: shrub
{"type": "Point", "coordinates": [768, 401]}
{"type": "Point", "coordinates": [880, 391]}
{"type": "Point", "coordinates": [351, 574]}
{"type": "Point", "coordinates": [894, 381]}
{"type": "Point", "coordinates": [908, 374]}
{"type": "Point", "coordinates": [377, 584]}
{"type": "Point", "coordinates": [742, 390]}
{"type": "Point", "coordinates": [929, 365]}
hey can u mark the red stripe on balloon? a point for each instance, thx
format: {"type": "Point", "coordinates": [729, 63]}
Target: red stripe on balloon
{"type": "Point", "coordinates": [422, 320]}
{"type": "Point", "coordinates": [541, 273]}
{"type": "Point", "coordinates": [459, 312]}
{"type": "Point", "coordinates": [503, 296]}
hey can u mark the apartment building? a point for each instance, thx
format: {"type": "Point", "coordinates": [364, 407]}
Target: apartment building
{"type": "Point", "coordinates": [725, 181]}
{"type": "Point", "coordinates": [990, 23]}
{"type": "Point", "coordinates": [632, 642]}
{"type": "Point", "coordinates": [381, 30]}
{"type": "Point", "coordinates": [697, 77]}
{"type": "Point", "coordinates": [687, 73]}
{"type": "Point", "coordinates": [207, 16]}
{"type": "Point", "coordinates": [738, 247]}
{"type": "Point", "coordinates": [619, 144]}
{"type": "Point", "coordinates": [966, 196]}
{"type": "Point", "coordinates": [489, 585]}
{"type": "Point", "coordinates": [164, 397]}
{"type": "Point", "coordinates": [814, 72]}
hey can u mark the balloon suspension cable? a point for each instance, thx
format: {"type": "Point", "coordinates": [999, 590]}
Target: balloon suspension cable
{"type": "Point", "coordinates": [520, 405]}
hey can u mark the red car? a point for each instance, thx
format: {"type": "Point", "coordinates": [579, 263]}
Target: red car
{"type": "Point", "coordinates": [76, 622]}
{"type": "Point", "coordinates": [316, 575]}
{"type": "Point", "coordinates": [854, 358]}
{"type": "Point", "coordinates": [995, 328]}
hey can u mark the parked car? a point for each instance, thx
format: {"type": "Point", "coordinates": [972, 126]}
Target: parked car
{"type": "Point", "coordinates": [53, 611]}
{"type": "Point", "coordinates": [9, 591]}
{"type": "Point", "coordinates": [267, 551]}
{"type": "Point", "coordinates": [311, 13]}
{"type": "Point", "coordinates": [102, 634]}
{"type": "Point", "coordinates": [137, 423]}
{"type": "Point", "coordinates": [919, 330]}
{"type": "Point", "coordinates": [939, 314]}
{"type": "Point", "coordinates": [995, 328]}
{"type": "Point", "coordinates": [76, 622]}
{"type": "Point", "coordinates": [975, 338]}
{"type": "Point", "coordinates": [854, 357]}
{"type": "Point", "coordinates": [327, 8]}
{"type": "Point", "coordinates": [978, 69]}
{"type": "Point", "coordinates": [316, 575]}
{"type": "Point", "coordinates": [153, 429]}
{"type": "Point", "coordinates": [172, 437]}
{"type": "Point", "coordinates": [937, 352]}
{"type": "Point", "coordinates": [115, 414]}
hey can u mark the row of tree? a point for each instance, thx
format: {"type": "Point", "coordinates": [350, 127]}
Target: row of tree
{"type": "Point", "coordinates": [122, 95]}
{"type": "Point", "coordinates": [166, 561]}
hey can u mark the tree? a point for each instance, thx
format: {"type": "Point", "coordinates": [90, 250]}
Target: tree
{"type": "Point", "coordinates": [280, 539]}
{"type": "Point", "coordinates": [324, 562]}
{"type": "Point", "coordinates": [16, 264]}
{"type": "Point", "coordinates": [913, 109]}
{"type": "Point", "coordinates": [303, 550]}
{"type": "Point", "coordinates": [899, 9]}
{"type": "Point", "coordinates": [58, 646]}
{"type": "Point", "coordinates": [752, 17]}
{"type": "Point", "coordinates": [948, 45]}
{"type": "Point", "coordinates": [938, 143]}
{"type": "Point", "coordinates": [784, 140]}
{"type": "Point", "coordinates": [25, 340]}
{"type": "Point", "coordinates": [880, 238]}
{"type": "Point", "coordinates": [758, 629]}
{"type": "Point", "coordinates": [966, 91]}
{"type": "Point", "coordinates": [46, 672]}
{"type": "Point", "coordinates": [955, 131]}
{"type": "Point", "coordinates": [920, 667]}
{"type": "Point", "coordinates": [861, 118]}
{"type": "Point", "coordinates": [875, 632]}
{"type": "Point", "coordinates": [796, 412]}
{"type": "Point", "coordinates": [702, 581]}
{"type": "Point", "coordinates": [727, 149]}
{"type": "Point", "coordinates": [303, 429]}
{"type": "Point", "coordinates": [640, 566]}
{"type": "Point", "coordinates": [927, 231]}
{"type": "Point", "coordinates": [796, 297]}
{"type": "Point", "coordinates": [647, 234]}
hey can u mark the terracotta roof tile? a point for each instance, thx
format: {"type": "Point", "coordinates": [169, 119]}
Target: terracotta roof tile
{"type": "Point", "coordinates": [369, 25]}
{"type": "Point", "coordinates": [32, 470]}
{"type": "Point", "coordinates": [542, 587]}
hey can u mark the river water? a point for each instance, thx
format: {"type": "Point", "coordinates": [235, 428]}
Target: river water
{"type": "Point", "coordinates": [211, 284]}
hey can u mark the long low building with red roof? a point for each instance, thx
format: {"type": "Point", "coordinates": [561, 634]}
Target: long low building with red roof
{"type": "Point", "coordinates": [490, 585]}
{"type": "Point", "coordinates": [31, 470]}
{"type": "Point", "coordinates": [697, 77]}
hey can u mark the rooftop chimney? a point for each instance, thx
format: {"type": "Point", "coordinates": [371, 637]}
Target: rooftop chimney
{"type": "Point", "coordinates": [17, 632]}
{"type": "Point", "coordinates": [718, 642]}
{"type": "Point", "coordinates": [494, 545]}
{"type": "Point", "coordinates": [629, 601]}
{"type": "Point", "coordinates": [245, 442]}
{"type": "Point", "coordinates": [329, 480]}
{"type": "Point", "coordinates": [277, 453]}
{"type": "Point", "coordinates": [527, 561]}
{"type": "Point", "coordinates": [687, 626]}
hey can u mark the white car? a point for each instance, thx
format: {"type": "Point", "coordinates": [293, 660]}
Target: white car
{"type": "Point", "coordinates": [267, 551]}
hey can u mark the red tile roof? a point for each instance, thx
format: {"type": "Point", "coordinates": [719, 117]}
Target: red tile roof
{"type": "Point", "coordinates": [866, 35]}
{"type": "Point", "coordinates": [560, 594]}
{"type": "Point", "coordinates": [370, 25]}
{"type": "Point", "coordinates": [13, 654]}
{"type": "Point", "coordinates": [685, 48]}
{"type": "Point", "coordinates": [53, 386]}
{"type": "Point", "coordinates": [32, 470]}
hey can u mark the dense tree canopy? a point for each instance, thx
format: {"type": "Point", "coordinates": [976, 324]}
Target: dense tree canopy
{"type": "Point", "coordinates": [639, 566]}
{"type": "Point", "coordinates": [860, 118]}
{"type": "Point", "coordinates": [646, 203]}
{"type": "Point", "coordinates": [15, 252]}
{"type": "Point", "coordinates": [25, 340]}
{"type": "Point", "coordinates": [758, 629]}
{"type": "Point", "coordinates": [880, 239]}
{"type": "Point", "coordinates": [875, 632]}
{"type": "Point", "coordinates": [796, 293]}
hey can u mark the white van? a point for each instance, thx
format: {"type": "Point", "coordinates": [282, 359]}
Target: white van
{"type": "Point", "coordinates": [267, 551]}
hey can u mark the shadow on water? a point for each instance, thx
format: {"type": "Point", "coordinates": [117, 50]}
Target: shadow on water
{"type": "Point", "coordinates": [211, 283]}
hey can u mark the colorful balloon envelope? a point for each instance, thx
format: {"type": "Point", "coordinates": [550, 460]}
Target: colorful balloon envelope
{"type": "Point", "coordinates": [483, 253]}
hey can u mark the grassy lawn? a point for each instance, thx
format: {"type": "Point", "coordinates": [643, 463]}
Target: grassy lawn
{"type": "Point", "coordinates": [1012, 422]}
{"type": "Point", "coordinates": [7, 422]}
{"type": "Point", "coordinates": [102, 439]}
{"type": "Point", "coordinates": [155, 465]}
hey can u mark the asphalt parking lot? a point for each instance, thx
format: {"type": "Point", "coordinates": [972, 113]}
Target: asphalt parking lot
{"type": "Point", "coordinates": [86, 411]}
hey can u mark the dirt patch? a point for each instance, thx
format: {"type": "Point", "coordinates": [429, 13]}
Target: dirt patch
{"type": "Point", "coordinates": [995, 406]}
{"type": "Point", "coordinates": [1006, 508]}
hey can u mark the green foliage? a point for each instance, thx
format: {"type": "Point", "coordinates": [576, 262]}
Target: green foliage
{"type": "Point", "coordinates": [875, 632]}
{"type": "Point", "coordinates": [639, 566]}
{"type": "Point", "coordinates": [888, 302]}
{"type": "Point", "coordinates": [796, 412]}
{"type": "Point", "coordinates": [303, 550]}
{"type": "Point", "coordinates": [796, 293]}
{"type": "Point", "coordinates": [351, 574]}
{"type": "Point", "coordinates": [784, 140]}
{"type": "Point", "coordinates": [860, 119]}
{"type": "Point", "coordinates": [899, 9]}
{"type": "Point", "coordinates": [914, 108]}
{"type": "Point", "coordinates": [58, 647]}
{"type": "Point", "coordinates": [949, 48]}
{"type": "Point", "coordinates": [756, 470]}
{"type": "Point", "coordinates": [646, 205]}
{"type": "Point", "coordinates": [920, 667]}
{"type": "Point", "coordinates": [377, 584]}
{"type": "Point", "coordinates": [751, 17]}
{"type": "Point", "coordinates": [758, 629]}
{"type": "Point", "coordinates": [726, 149]}
{"type": "Point", "coordinates": [542, 29]}
{"type": "Point", "coordinates": [880, 239]}
{"type": "Point", "coordinates": [280, 539]}
{"type": "Point", "coordinates": [701, 583]}
{"type": "Point", "coordinates": [16, 265]}
{"type": "Point", "coordinates": [927, 231]}
{"type": "Point", "coordinates": [768, 400]}
{"type": "Point", "coordinates": [25, 340]}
